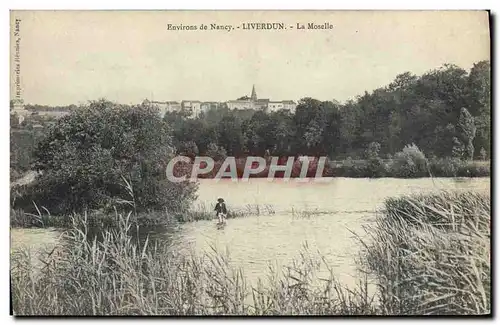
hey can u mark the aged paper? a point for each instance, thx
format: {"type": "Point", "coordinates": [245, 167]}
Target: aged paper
{"type": "Point", "coordinates": [250, 162]}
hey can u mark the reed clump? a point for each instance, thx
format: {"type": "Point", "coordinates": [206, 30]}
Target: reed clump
{"type": "Point", "coordinates": [117, 275]}
{"type": "Point", "coordinates": [428, 254]}
{"type": "Point", "coordinates": [431, 255]}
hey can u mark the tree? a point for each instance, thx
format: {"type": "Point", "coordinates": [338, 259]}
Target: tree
{"type": "Point", "coordinates": [373, 150]}
{"type": "Point", "coordinates": [87, 156]}
{"type": "Point", "coordinates": [424, 110]}
{"type": "Point", "coordinates": [189, 149]}
{"type": "Point", "coordinates": [313, 134]}
{"type": "Point", "coordinates": [14, 120]}
{"type": "Point", "coordinates": [482, 154]}
{"type": "Point", "coordinates": [467, 130]}
{"type": "Point", "coordinates": [230, 135]}
{"type": "Point", "coordinates": [458, 150]}
{"type": "Point", "coordinates": [257, 134]}
{"type": "Point", "coordinates": [216, 153]}
{"type": "Point", "coordinates": [479, 85]}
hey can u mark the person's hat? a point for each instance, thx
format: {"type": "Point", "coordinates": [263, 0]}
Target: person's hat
{"type": "Point", "coordinates": [220, 200]}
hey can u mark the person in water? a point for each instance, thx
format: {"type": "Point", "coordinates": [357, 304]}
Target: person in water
{"type": "Point", "coordinates": [221, 210]}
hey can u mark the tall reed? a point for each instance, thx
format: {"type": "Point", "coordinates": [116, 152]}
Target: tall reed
{"type": "Point", "coordinates": [431, 254]}
{"type": "Point", "coordinates": [120, 276]}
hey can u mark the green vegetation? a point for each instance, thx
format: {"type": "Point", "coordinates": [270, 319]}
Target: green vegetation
{"type": "Point", "coordinates": [429, 255]}
{"type": "Point", "coordinates": [445, 112]}
{"type": "Point", "coordinates": [98, 219]}
{"type": "Point", "coordinates": [23, 144]}
{"type": "Point", "coordinates": [444, 115]}
{"type": "Point", "coordinates": [122, 277]}
{"type": "Point", "coordinates": [408, 163]}
{"type": "Point", "coordinates": [98, 156]}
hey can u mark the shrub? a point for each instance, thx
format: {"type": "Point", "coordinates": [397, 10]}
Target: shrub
{"type": "Point", "coordinates": [22, 147]}
{"type": "Point", "coordinates": [351, 168]}
{"type": "Point", "coordinates": [102, 154]}
{"type": "Point", "coordinates": [445, 167]}
{"type": "Point", "coordinates": [216, 153]}
{"type": "Point", "coordinates": [410, 162]}
{"type": "Point", "coordinates": [375, 166]}
{"type": "Point", "coordinates": [454, 167]}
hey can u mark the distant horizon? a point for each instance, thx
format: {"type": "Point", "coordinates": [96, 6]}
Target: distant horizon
{"type": "Point", "coordinates": [72, 57]}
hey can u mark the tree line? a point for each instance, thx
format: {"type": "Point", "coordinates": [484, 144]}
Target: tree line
{"type": "Point", "coordinates": [446, 112]}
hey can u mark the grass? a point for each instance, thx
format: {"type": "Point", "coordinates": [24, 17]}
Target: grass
{"type": "Point", "coordinates": [117, 276]}
{"type": "Point", "coordinates": [429, 255]}
{"type": "Point", "coordinates": [305, 213]}
{"type": "Point", "coordinates": [43, 218]}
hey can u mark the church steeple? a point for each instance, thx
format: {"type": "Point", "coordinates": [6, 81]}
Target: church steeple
{"type": "Point", "coordinates": [254, 94]}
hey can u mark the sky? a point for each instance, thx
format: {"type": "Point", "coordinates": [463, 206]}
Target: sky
{"type": "Point", "coordinates": [70, 57]}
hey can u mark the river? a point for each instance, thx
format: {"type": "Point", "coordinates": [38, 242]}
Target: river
{"type": "Point", "coordinates": [325, 215]}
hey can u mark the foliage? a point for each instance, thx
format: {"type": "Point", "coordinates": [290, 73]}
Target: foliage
{"type": "Point", "coordinates": [215, 152]}
{"type": "Point", "coordinates": [88, 158]}
{"type": "Point", "coordinates": [410, 162]}
{"type": "Point", "coordinates": [376, 166]}
{"type": "Point", "coordinates": [482, 154]}
{"type": "Point", "coordinates": [22, 147]}
{"type": "Point", "coordinates": [455, 167]}
{"type": "Point", "coordinates": [429, 110]}
{"type": "Point", "coordinates": [467, 130]}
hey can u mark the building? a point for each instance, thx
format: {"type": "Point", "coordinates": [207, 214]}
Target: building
{"type": "Point", "coordinates": [240, 104]}
{"type": "Point", "coordinates": [246, 102]}
{"type": "Point", "coordinates": [193, 106]}
{"type": "Point", "coordinates": [274, 106]}
{"type": "Point", "coordinates": [17, 108]}
{"type": "Point", "coordinates": [255, 103]}
{"type": "Point", "coordinates": [205, 106]}
{"type": "Point", "coordinates": [169, 106]}
{"type": "Point", "coordinates": [51, 114]}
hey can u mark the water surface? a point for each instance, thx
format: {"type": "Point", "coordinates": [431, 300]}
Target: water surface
{"type": "Point", "coordinates": [323, 215]}
{"type": "Point", "coordinates": [328, 216]}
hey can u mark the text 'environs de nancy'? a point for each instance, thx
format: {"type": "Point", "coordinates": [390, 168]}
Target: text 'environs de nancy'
{"type": "Point", "coordinates": [250, 26]}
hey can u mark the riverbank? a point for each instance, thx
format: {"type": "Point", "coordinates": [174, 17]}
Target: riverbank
{"type": "Point", "coordinates": [429, 255]}
{"type": "Point", "coordinates": [100, 219]}
{"type": "Point", "coordinates": [376, 168]}
{"type": "Point", "coordinates": [262, 197]}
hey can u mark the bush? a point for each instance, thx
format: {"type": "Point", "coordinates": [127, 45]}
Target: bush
{"type": "Point", "coordinates": [22, 147]}
{"type": "Point", "coordinates": [351, 168]}
{"type": "Point", "coordinates": [445, 167]}
{"type": "Point", "coordinates": [101, 155]}
{"type": "Point", "coordinates": [216, 153]}
{"type": "Point", "coordinates": [410, 162]}
{"type": "Point", "coordinates": [376, 166]}
{"type": "Point", "coordinates": [454, 167]}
